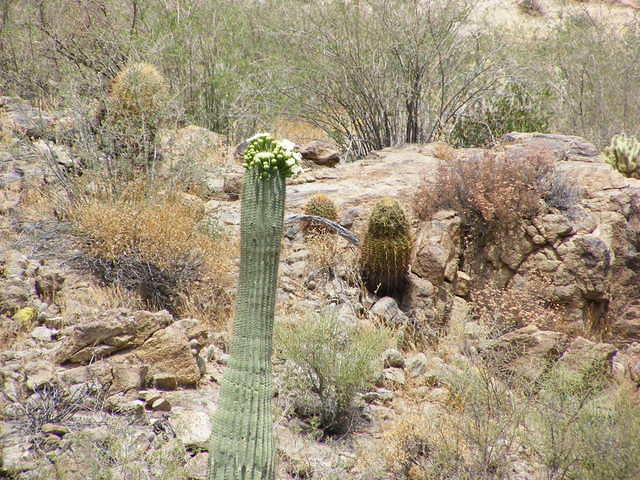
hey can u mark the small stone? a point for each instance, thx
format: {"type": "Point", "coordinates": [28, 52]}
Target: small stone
{"type": "Point", "coordinates": [161, 405]}
{"type": "Point", "coordinates": [462, 284]}
{"type": "Point", "coordinates": [224, 359]}
{"type": "Point", "coordinates": [124, 405]}
{"type": "Point", "coordinates": [393, 377]}
{"type": "Point", "coordinates": [54, 429]}
{"type": "Point", "coordinates": [380, 395]}
{"type": "Point", "coordinates": [192, 427]}
{"type": "Point", "coordinates": [393, 358]}
{"type": "Point", "coordinates": [44, 334]}
{"type": "Point", "coordinates": [417, 365]}
{"type": "Point", "coordinates": [538, 240]}
{"type": "Point", "coordinates": [165, 381]}
{"type": "Point", "coordinates": [388, 311]}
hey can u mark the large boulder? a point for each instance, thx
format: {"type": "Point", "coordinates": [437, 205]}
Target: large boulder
{"type": "Point", "coordinates": [528, 352]}
{"type": "Point", "coordinates": [110, 332]}
{"type": "Point", "coordinates": [437, 249]}
{"type": "Point", "coordinates": [320, 153]}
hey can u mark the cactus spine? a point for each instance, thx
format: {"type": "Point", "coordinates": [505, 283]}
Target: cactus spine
{"type": "Point", "coordinates": [386, 249]}
{"type": "Point", "coordinates": [242, 446]}
{"type": "Point", "coordinates": [623, 155]}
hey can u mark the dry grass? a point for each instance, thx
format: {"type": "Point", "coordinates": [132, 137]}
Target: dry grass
{"type": "Point", "coordinates": [6, 131]}
{"type": "Point", "coordinates": [504, 310]}
{"type": "Point", "coordinates": [443, 151]}
{"type": "Point", "coordinates": [153, 246]}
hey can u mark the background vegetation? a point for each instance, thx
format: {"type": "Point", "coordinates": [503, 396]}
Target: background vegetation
{"type": "Point", "coordinates": [370, 74]}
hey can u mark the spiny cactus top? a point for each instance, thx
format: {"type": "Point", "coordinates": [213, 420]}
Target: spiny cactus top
{"type": "Point", "coordinates": [388, 219]}
{"type": "Point", "coordinates": [270, 156]}
{"type": "Point", "coordinates": [624, 155]}
{"type": "Point", "coordinates": [139, 88]}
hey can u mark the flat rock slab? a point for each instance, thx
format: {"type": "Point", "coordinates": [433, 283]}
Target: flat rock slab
{"type": "Point", "coordinates": [392, 172]}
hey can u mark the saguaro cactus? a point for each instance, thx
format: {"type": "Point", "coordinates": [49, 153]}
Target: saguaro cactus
{"type": "Point", "coordinates": [242, 445]}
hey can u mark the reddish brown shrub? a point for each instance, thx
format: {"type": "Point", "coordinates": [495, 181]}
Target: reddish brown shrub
{"type": "Point", "coordinates": [491, 193]}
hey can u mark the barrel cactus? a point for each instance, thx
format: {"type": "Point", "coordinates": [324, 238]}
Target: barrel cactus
{"type": "Point", "coordinates": [386, 249]}
{"type": "Point", "coordinates": [138, 90]}
{"type": "Point", "coordinates": [322, 206]}
{"type": "Point", "coordinates": [137, 101]}
{"type": "Point", "coordinates": [623, 155]}
{"type": "Point", "coordinates": [242, 446]}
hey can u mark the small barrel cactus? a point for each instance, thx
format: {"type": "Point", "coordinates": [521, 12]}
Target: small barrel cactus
{"type": "Point", "coordinates": [139, 89]}
{"type": "Point", "coordinates": [322, 206]}
{"type": "Point", "coordinates": [623, 155]}
{"type": "Point", "coordinates": [386, 250]}
{"type": "Point", "coordinates": [137, 102]}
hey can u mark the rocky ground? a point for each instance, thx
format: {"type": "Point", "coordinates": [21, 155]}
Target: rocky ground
{"type": "Point", "coordinates": [77, 375]}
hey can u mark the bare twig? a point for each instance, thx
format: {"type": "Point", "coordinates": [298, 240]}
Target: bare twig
{"type": "Point", "coordinates": [339, 229]}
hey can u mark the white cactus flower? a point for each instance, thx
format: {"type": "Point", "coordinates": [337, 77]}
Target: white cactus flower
{"type": "Point", "coordinates": [288, 145]}
{"type": "Point", "coordinates": [264, 156]}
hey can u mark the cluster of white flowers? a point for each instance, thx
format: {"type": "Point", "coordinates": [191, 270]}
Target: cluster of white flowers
{"type": "Point", "coordinates": [270, 156]}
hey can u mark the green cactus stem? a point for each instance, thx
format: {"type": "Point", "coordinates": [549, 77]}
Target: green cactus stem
{"type": "Point", "coordinates": [242, 445]}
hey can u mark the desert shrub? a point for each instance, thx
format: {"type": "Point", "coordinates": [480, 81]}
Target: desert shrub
{"type": "Point", "coordinates": [623, 155]}
{"type": "Point", "coordinates": [502, 310]}
{"type": "Point", "coordinates": [495, 192]}
{"type": "Point", "coordinates": [576, 59]}
{"type": "Point", "coordinates": [372, 84]}
{"type": "Point", "coordinates": [330, 362]}
{"type": "Point", "coordinates": [57, 403]}
{"type": "Point", "coordinates": [120, 451]}
{"type": "Point", "coordinates": [492, 193]}
{"type": "Point", "coordinates": [153, 246]}
{"type": "Point", "coordinates": [515, 107]}
{"type": "Point", "coordinates": [576, 429]}
{"type": "Point", "coordinates": [471, 439]}
{"type": "Point", "coordinates": [386, 249]}
{"type": "Point", "coordinates": [559, 190]}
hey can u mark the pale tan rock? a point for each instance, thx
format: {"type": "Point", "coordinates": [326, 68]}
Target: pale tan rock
{"type": "Point", "coordinates": [437, 248]}
{"type": "Point", "coordinates": [320, 153]}
{"type": "Point", "coordinates": [584, 356]}
{"type": "Point", "coordinates": [528, 351]}
{"type": "Point", "coordinates": [168, 352]}
{"type": "Point", "coordinates": [108, 333]}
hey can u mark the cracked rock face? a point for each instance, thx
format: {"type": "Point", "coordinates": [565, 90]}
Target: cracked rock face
{"type": "Point", "coordinates": [587, 255]}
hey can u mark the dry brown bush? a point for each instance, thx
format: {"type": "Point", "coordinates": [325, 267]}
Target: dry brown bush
{"type": "Point", "coordinates": [491, 193]}
{"type": "Point", "coordinates": [504, 309]}
{"type": "Point", "coordinates": [153, 246]}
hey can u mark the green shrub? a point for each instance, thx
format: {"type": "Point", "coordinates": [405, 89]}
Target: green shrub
{"type": "Point", "coordinates": [386, 72]}
{"type": "Point", "coordinates": [332, 362]}
{"type": "Point", "coordinates": [517, 108]}
{"type": "Point", "coordinates": [578, 429]}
